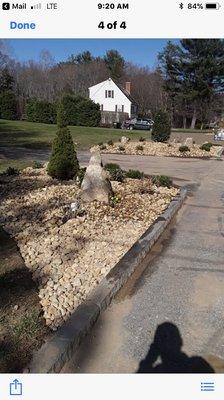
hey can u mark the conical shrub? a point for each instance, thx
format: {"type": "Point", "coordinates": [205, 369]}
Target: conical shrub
{"type": "Point", "coordinates": [63, 162]}
{"type": "Point", "coordinates": [161, 129]}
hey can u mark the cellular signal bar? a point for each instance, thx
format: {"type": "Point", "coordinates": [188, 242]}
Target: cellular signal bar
{"type": "Point", "coordinates": [36, 7]}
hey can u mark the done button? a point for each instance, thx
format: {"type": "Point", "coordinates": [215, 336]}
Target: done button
{"type": "Point", "coordinates": [22, 25]}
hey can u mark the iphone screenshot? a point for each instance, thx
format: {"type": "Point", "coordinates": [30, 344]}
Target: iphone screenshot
{"type": "Point", "coordinates": [111, 199]}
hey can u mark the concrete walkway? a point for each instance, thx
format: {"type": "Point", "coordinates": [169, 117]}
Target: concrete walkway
{"type": "Point", "coordinates": [183, 284]}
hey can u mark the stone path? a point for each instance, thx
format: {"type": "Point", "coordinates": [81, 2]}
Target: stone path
{"type": "Point", "coordinates": [183, 285]}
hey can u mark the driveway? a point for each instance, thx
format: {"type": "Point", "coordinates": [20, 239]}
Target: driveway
{"type": "Point", "coordinates": [178, 301]}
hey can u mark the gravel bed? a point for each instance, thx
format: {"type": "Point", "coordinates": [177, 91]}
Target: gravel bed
{"type": "Point", "coordinates": [157, 149]}
{"type": "Point", "coordinates": [69, 254]}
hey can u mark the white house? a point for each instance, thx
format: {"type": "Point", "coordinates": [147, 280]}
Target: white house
{"type": "Point", "coordinates": [114, 98]}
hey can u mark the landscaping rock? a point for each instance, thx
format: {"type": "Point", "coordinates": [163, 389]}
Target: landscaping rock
{"type": "Point", "coordinates": [219, 152]}
{"type": "Point", "coordinates": [68, 260]}
{"type": "Point", "coordinates": [96, 185]}
{"type": "Point", "coordinates": [75, 206]}
{"type": "Point", "coordinates": [219, 134]}
{"type": "Point", "coordinates": [189, 142]}
{"type": "Point", "coordinates": [159, 149]}
{"type": "Point", "coordinates": [124, 140]}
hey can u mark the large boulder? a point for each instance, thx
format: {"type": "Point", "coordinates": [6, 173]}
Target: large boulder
{"type": "Point", "coordinates": [219, 152]}
{"type": "Point", "coordinates": [219, 134]}
{"type": "Point", "coordinates": [96, 184]}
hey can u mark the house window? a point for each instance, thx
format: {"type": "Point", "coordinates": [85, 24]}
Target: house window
{"type": "Point", "coordinates": [109, 94]}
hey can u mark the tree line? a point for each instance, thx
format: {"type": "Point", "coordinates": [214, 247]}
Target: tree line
{"type": "Point", "coordinates": [188, 81]}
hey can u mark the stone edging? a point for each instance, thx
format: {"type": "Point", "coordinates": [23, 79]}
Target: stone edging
{"type": "Point", "coordinates": [207, 158]}
{"type": "Point", "coordinates": [52, 356]}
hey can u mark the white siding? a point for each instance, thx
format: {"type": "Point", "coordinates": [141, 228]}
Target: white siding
{"type": "Point", "coordinates": [97, 94]}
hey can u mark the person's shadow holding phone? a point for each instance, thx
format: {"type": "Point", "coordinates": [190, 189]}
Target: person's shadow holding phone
{"type": "Point", "coordinates": [165, 355]}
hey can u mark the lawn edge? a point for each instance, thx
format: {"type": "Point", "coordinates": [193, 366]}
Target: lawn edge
{"type": "Point", "coordinates": [206, 158]}
{"type": "Point", "coordinates": [53, 354]}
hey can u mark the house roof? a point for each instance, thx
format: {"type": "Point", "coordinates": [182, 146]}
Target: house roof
{"type": "Point", "coordinates": [123, 90]}
{"type": "Point", "coordinates": [126, 93]}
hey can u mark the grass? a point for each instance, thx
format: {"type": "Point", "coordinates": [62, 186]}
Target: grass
{"type": "Point", "coordinates": [19, 164]}
{"type": "Point", "coordinates": [35, 136]}
{"type": "Point", "coordinates": [40, 136]}
{"type": "Point", "coordinates": [188, 130]}
{"type": "Point", "coordinates": [28, 326]}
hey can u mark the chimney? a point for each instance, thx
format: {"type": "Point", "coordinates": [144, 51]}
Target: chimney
{"type": "Point", "coordinates": [128, 87]}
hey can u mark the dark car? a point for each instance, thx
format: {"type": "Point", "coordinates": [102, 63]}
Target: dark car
{"type": "Point", "coordinates": [138, 123]}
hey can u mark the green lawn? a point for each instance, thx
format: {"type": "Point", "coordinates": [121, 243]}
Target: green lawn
{"type": "Point", "coordinates": [34, 136]}
{"type": "Point", "coordinates": [18, 164]}
{"type": "Point", "coordinates": [182, 130]}
{"type": "Point", "coordinates": [39, 136]}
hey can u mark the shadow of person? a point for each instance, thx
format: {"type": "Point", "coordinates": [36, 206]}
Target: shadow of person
{"type": "Point", "coordinates": [165, 355]}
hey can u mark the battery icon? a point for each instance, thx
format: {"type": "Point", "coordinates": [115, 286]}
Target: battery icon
{"type": "Point", "coordinates": [212, 6]}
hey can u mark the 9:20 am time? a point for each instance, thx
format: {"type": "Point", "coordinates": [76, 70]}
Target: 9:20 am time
{"type": "Point", "coordinates": [113, 6]}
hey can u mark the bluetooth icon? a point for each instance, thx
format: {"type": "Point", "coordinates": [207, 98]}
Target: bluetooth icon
{"type": "Point", "coordinates": [181, 5]}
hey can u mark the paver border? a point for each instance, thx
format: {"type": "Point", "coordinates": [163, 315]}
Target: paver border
{"type": "Point", "coordinates": [206, 158]}
{"type": "Point", "coordinates": [52, 356]}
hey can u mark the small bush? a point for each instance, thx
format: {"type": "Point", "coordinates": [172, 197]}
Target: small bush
{"type": "Point", "coordinates": [162, 180]}
{"type": "Point", "coordinates": [63, 162]}
{"type": "Point", "coordinates": [134, 174]}
{"type": "Point", "coordinates": [114, 200]}
{"type": "Point", "coordinates": [110, 167]}
{"type": "Point", "coordinates": [110, 143]}
{"type": "Point", "coordinates": [116, 173]}
{"type": "Point", "coordinates": [10, 171]}
{"type": "Point", "coordinates": [184, 149]}
{"type": "Point", "coordinates": [206, 146]}
{"type": "Point", "coordinates": [142, 139]}
{"type": "Point", "coordinates": [139, 148]}
{"type": "Point", "coordinates": [37, 165]}
{"type": "Point", "coordinates": [162, 128]}
{"type": "Point", "coordinates": [121, 148]}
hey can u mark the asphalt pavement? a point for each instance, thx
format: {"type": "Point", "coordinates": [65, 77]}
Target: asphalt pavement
{"type": "Point", "coordinates": [169, 317]}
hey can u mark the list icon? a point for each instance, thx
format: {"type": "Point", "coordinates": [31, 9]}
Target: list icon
{"type": "Point", "coordinates": [207, 386]}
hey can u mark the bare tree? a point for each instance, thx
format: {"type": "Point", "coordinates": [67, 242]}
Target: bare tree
{"type": "Point", "coordinates": [147, 88]}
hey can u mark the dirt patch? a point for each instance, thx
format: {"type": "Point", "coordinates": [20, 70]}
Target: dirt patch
{"type": "Point", "coordinates": [22, 328]}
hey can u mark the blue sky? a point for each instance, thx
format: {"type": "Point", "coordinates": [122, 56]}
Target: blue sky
{"type": "Point", "coordinates": [140, 51]}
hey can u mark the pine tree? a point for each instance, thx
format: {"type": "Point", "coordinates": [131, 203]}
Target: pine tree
{"type": "Point", "coordinates": [193, 72]}
{"type": "Point", "coordinates": [115, 64]}
{"type": "Point", "coordinates": [63, 162]}
{"type": "Point", "coordinates": [161, 129]}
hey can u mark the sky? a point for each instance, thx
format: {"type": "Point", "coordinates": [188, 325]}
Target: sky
{"type": "Point", "coordinates": [139, 51]}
